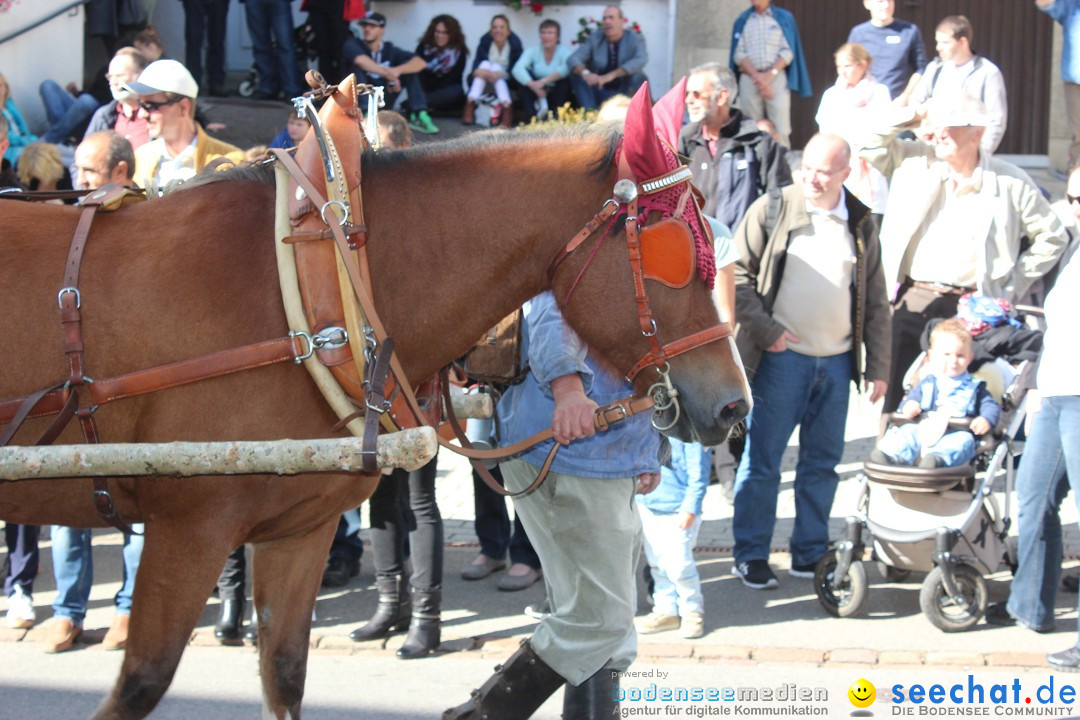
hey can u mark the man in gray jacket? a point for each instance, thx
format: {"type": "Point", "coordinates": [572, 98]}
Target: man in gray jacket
{"type": "Point", "coordinates": [812, 317]}
{"type": "Point", "coordinates": [955, 222]}
{"type": "Point", "coordinates": [610, 62]}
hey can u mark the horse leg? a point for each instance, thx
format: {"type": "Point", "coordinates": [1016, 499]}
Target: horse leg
{"type": "Point", "coordinates": [287, 573]}
{"type": "Point", "coordinates": [181, 560]}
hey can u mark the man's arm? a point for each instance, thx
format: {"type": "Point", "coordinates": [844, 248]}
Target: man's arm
{"type": "Point", "coordinates": [881, 148]}
{"type": "Point", "coordinates": [905, 97]}
{"type": "Point", "coordinates": [1048, 235]}
{"type": "Point", "coordinates": [877, 320]}
{"type": "Point", "coordinates": [751, 242]}
{"type": "Point", "coordinates": [413, 65]}
{"type": "Point", "coordinates": [636, 63]}
{"type": "Point", "coordinates": [997, 108]}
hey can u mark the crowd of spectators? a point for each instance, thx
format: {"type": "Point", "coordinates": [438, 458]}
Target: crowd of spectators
{"type": "Point", "coordinates": [895, 209]}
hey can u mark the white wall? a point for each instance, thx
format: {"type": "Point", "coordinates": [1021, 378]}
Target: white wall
{"type": "Point", "coordinates": [406, 22]}
{"type": "Point", "coordinates": [54, 50]}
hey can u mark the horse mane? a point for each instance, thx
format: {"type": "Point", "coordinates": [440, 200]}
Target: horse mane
{"type": "Point", "coordinates": [608, 136]}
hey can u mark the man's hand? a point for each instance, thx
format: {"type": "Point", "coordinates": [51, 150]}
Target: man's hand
{"type": "Point", "coordinates": [782, 342]}
{"type": "Point", "coordinates": [646, 483]}
{"type": "Point", "coordinates": [877, 389]}
{"type": "Point", "coordinates": [591, 79]}
{"type": "Point", "coordinates": [574, 410]}
{"type": "Point", "coordinates": [911, 409]}
{"type": "Point", "coordinates": [537, 86]}
{"type": "Point", "coordinates": [486, 75]}
{"type": "Point", "coordinates": [686, 520]}
{"type": "Point", "coordinates": [980, 425]}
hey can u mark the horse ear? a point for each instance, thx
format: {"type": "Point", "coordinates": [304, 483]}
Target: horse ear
{"type": "Point", "coordinates": [668, 113]}
{"type": "Point", "coordinates": [644, 153]}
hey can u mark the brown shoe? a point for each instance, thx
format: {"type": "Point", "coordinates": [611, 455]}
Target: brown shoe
{"type": "Point", "coordinates": [61, 635]}
{"type": "Point", "coordinates": [468, 117]}
{"type": "Point", "coordinates": [506, 117]}
{"type": "Point", "coordinates": [116, 638]}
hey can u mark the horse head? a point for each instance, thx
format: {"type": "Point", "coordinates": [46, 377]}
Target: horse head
{"type": "Point", "coordinates": [659, 292]}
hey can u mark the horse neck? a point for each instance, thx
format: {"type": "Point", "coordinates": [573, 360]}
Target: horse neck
{"type": "Point", "coordinates": [487, 224]}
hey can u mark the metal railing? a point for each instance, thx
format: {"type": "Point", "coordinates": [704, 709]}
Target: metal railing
{"type": "Point", "coordinates": [38, 23]}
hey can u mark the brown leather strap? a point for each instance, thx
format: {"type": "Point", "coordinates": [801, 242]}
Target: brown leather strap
{"type": "Point", "coordinates": [682, 345]}
{"type": "Point", "coordinates": [141, 382]}
{"type": "Point", "coordinates": [357, 235]}
{"type": "Point", "coordinates": [375, 404]}
{"type": "Point", "coordinates": [603, 419]}
{"type": "Point", "coordinates": [25, 407]}
{"type": "Point", "coordinates": [609, 209]}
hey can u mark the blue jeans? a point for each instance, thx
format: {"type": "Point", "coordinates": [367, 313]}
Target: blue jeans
{"type": "Point", "coordinates": [270, 23]}
{"type": "Point", "coordinates": [792, 389]}
{"type": "Point", "coordinates": [73, 567]}
{"type": "Point", "coordinates": [1049, 466]}
{"type": "Point", "coordinates": [493, 527]}
{"type": "Point", "coordinates": [956, 447]}
{"type": "Point", "coordinates": [347, 546]}
{"type": "Point", "coordinates": [65, 113]}
{"type": "Point", "coordinates": [670, 552]}
{"type": "Point", "coordinates": [590, 97]}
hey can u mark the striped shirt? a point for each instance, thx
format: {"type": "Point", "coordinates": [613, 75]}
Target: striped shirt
{"type": "Point", "coordinates": [762, 41]}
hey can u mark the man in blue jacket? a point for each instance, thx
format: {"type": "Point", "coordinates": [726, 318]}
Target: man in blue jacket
{"type": "Point", "coordinates": [610, 62]}
{"type": "Point", "coordinates": [767, 54]}
{"type": "Point", "coordinates": [1067, 12]}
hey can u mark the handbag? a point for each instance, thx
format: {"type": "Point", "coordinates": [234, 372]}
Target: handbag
{"type": "Point", "coordinates": [496, 356]}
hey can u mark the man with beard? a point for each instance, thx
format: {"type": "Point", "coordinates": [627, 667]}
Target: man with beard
{"type": "Point", "coordinates": [732, 161]}
{"type": "Point", "coordinates": [958, 220]}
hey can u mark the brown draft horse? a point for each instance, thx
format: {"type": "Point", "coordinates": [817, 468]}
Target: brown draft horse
{"type": "Point", "coordinates": [461, 233]}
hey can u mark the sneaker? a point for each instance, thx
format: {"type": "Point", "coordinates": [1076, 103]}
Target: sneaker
{"type": "Point", "coordinates": [339, 571]}
{"type": "Point", "coordinates": [656, 622]}
{"type": "Point", "coordinates": [420, 121]}
{"type": "Point", "coordinates": [20, 612]}
{"type": "Point", "coordinates": [539, 611]}
{"type": "Point", "coordinates": [998, 614]}
{"type": "Point", "coordinates": [1067, 660]}
{"type": "Point", "coordinates": [803, 571]}
{"type": "Point", "coordinates": [692, 625]}
{"type": "Point", "coordinates": [756, 574]}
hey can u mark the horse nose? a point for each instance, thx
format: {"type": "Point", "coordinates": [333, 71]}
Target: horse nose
{"type": "Point", "coordinates": [733, 413]}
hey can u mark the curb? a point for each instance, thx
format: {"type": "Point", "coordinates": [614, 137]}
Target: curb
{"type": "Point", "coordinates": [499, 648]}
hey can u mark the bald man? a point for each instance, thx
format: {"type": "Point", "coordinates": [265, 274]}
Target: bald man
{"type": "Point", "coordinates": [802, 347]}
{"type": "Point", "coordinates": [104, 157]}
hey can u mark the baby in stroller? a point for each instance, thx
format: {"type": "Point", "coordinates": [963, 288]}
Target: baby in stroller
{"type": "Point", "coordinates": [947, 391]}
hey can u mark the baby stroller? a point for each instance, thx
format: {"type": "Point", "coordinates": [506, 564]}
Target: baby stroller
{"type": "Point", "coordinates": [943, 521]}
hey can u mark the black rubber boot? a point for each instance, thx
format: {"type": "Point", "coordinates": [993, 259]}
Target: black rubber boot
{"type": "Point", "coordinates": [425, 628]}
{"type": "Point", "coordinates": [516, 690]}
{"type": "Point", "coordinates": [592, 699]}
{"type": "Point", "coordinates": [227, 630]}
{"type": "Point", "coordinates": [392, 613]}
{"type": "Point", "coordinates": [251, 633]}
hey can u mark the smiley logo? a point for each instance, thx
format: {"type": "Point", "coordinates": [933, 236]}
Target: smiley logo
{"type": "Point", "coordinates": [861, 693]}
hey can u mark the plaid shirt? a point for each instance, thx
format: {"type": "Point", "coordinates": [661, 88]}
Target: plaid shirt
{"type": "Point", "coordinates": [762, 41]}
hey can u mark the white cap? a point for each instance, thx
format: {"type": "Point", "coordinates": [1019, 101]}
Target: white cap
{"type": "Point", "coordinates": [964, 111]}
{"type": "Point", "coordinates": [168, 76]}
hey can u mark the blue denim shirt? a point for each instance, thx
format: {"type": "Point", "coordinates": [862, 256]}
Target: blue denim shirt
{"type": "Point", "coordinates": [682, 485]}
{"type": "Point", "coordinates": [628, 449]}
{"type": "Point", "coordinates": [1067, 12]}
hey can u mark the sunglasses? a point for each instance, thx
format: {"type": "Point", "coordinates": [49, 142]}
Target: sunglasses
{"type": "Point", "coordinates": [156, 106]}
{"type": "Point", "coordinates": [667, 253]}
{"type": "Point", "coordinates": [1073, 199]}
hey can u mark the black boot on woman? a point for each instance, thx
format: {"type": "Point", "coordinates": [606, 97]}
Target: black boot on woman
{"type": "Point", "coordinates": [425, 628]}
{"type": "Point", "coordinates": [392, 613]}
{"type": "Point", "coordinates": [227, 630]}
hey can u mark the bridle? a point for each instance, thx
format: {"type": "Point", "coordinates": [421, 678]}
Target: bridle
{"type": "Point", "coordinates": [625, 199]}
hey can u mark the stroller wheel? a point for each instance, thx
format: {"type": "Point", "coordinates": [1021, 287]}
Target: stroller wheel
{"type": "Point", "coordinates": [841, 597]}
{"type": "Point", "coordinates": [893, 574]}
{"type": "Point", "coordinates": [954, 614]}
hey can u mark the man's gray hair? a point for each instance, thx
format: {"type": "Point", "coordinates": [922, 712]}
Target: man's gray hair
{"type": "Point", "coordinates": [720, 76]}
